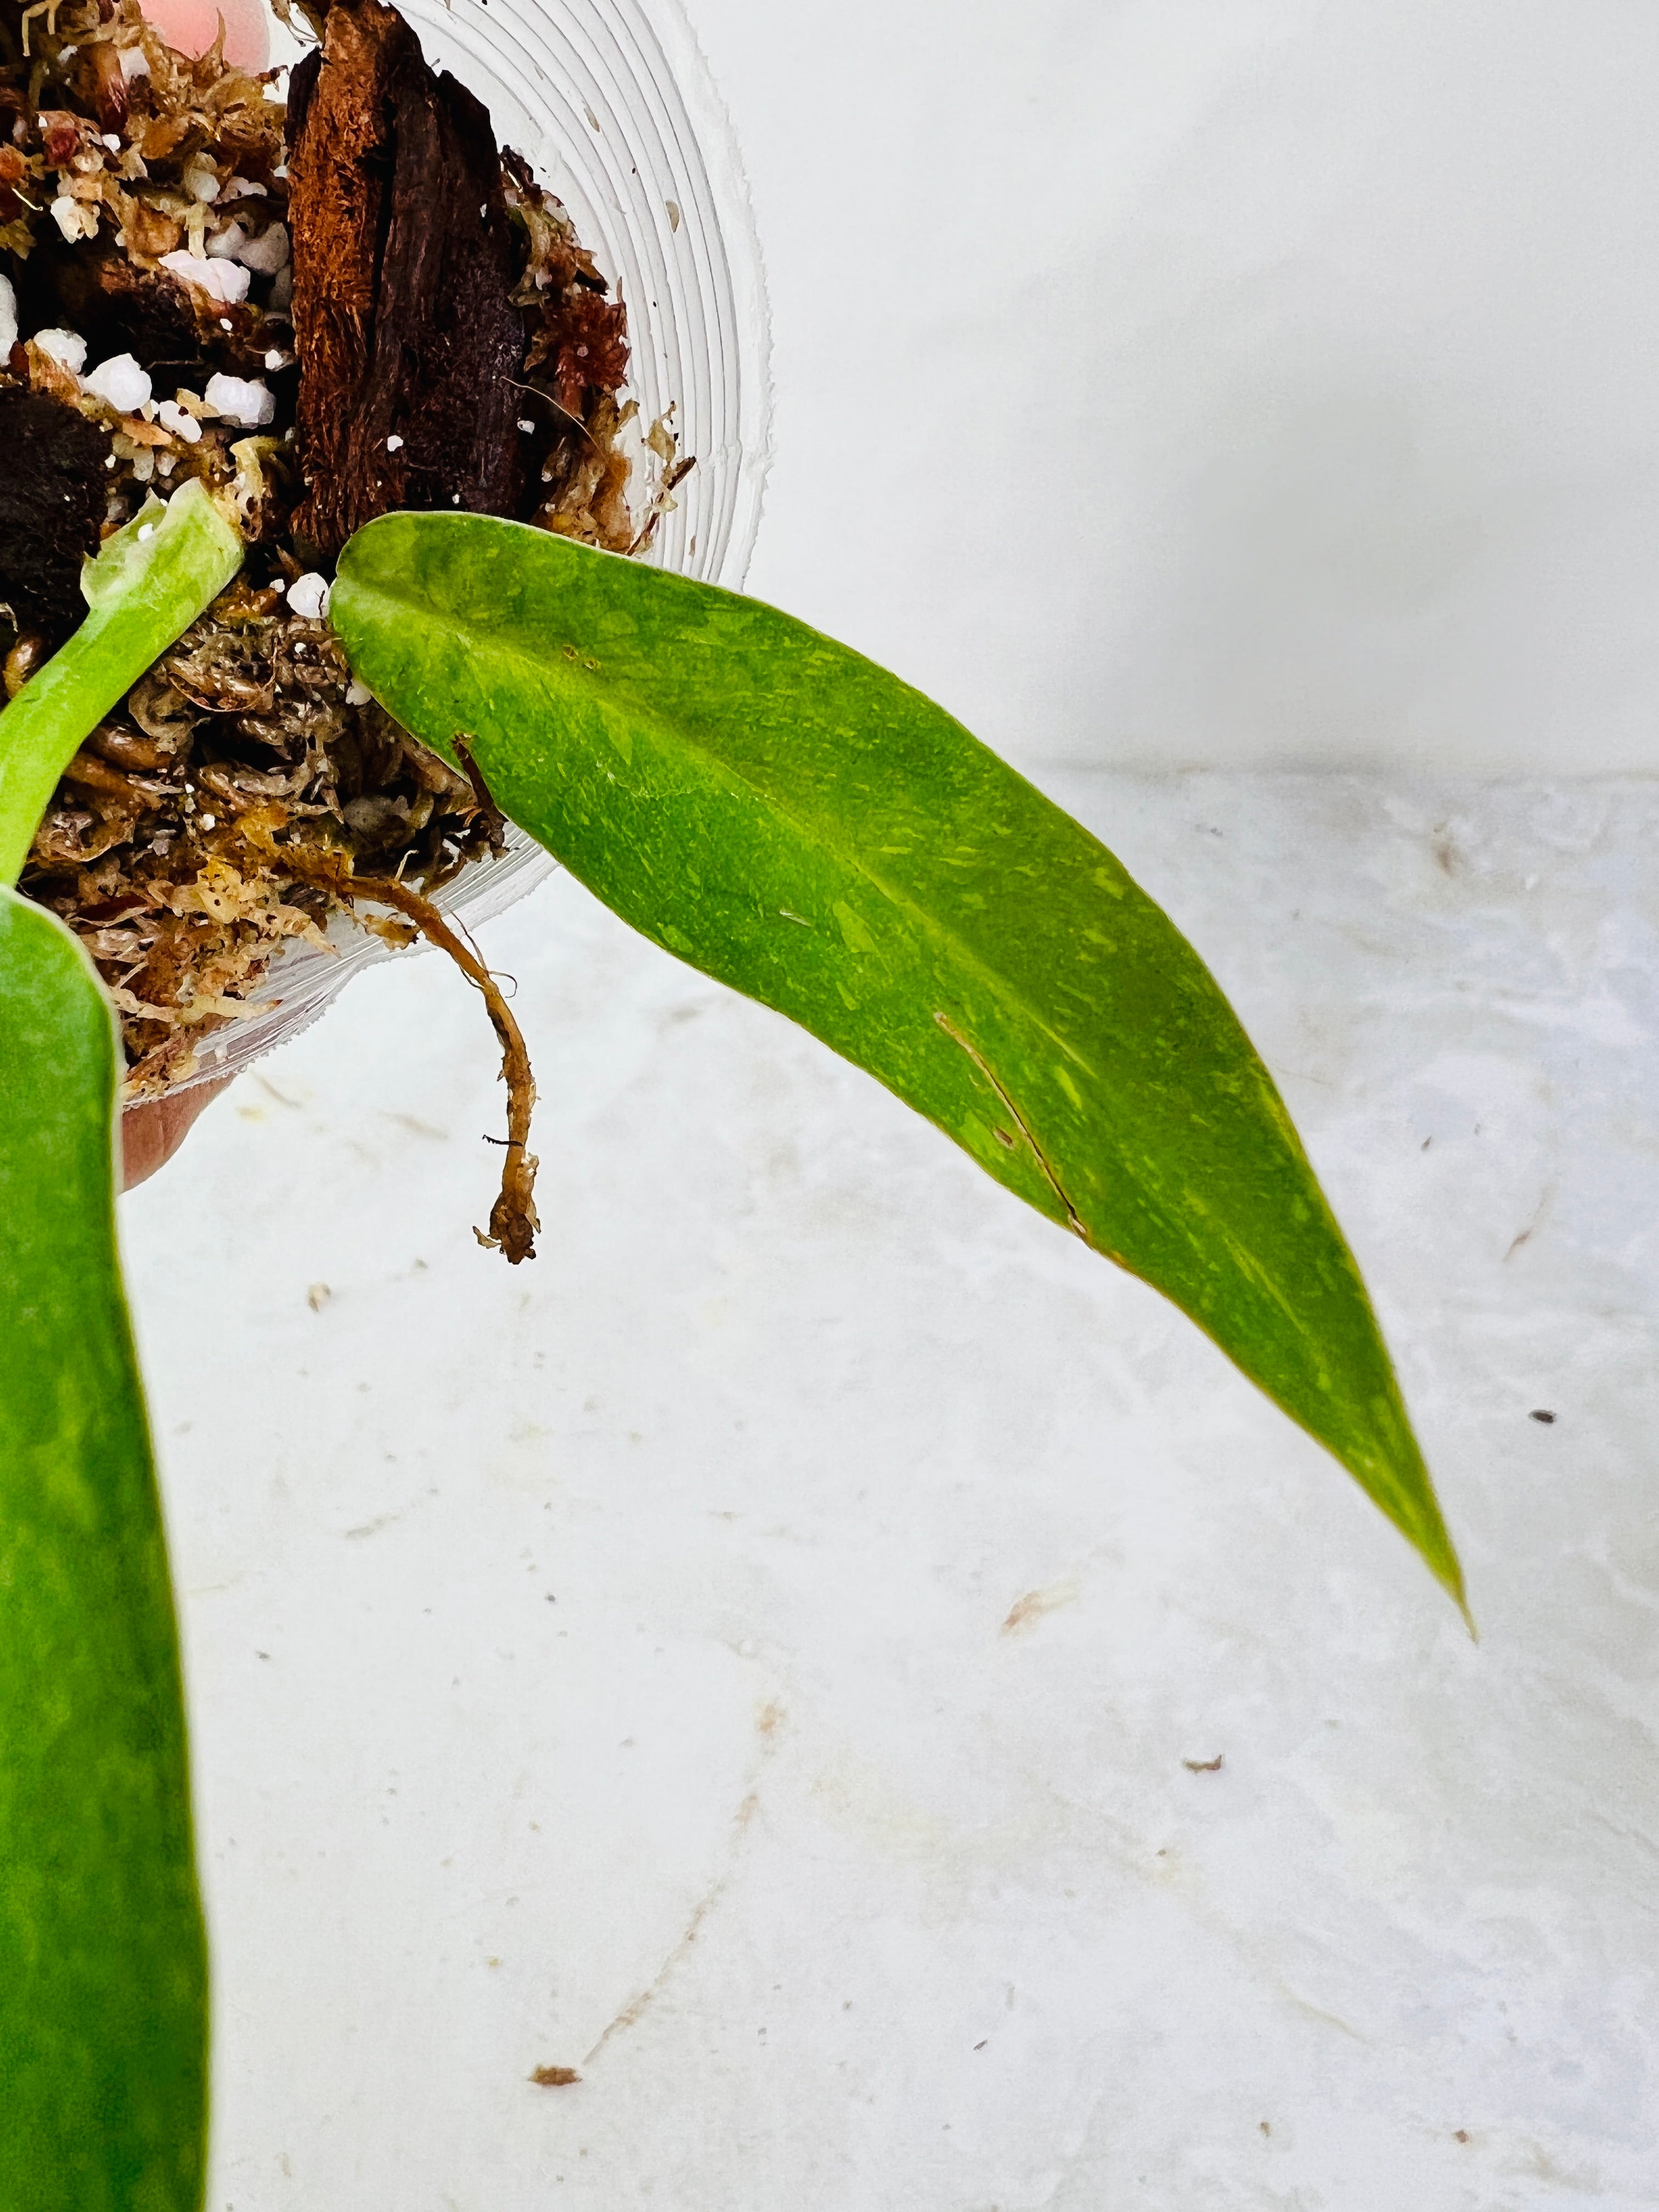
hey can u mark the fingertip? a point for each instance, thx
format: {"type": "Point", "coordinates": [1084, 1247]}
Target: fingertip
{"type": "Point", "coordinates": [152, 1131]}
{"type": "Point", "coordinates": [190, 27]}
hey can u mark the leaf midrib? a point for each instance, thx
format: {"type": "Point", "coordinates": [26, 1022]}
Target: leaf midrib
{"type": "Point", "coordinates": [806, 829]}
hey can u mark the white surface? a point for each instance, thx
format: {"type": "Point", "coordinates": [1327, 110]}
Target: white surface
{"type": "Point", "coordinates": [1262, 384]}
{"type": "Point", "coordinates": [793, 1415]}
{"type": "Point", "coordinates": [1248, 383]}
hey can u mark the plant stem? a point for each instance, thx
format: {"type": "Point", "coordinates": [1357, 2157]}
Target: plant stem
{"type": "Point", "coordinates": [143, 591]}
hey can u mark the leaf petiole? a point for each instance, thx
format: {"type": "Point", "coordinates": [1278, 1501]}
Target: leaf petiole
{"type": "Point", "coordinates": [143, 591]}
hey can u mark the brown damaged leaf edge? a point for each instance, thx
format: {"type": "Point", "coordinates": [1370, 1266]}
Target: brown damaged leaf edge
{"type": "Point", "coordinates": [793, 820]}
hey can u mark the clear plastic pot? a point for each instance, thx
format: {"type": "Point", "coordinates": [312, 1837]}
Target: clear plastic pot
{"type": "Point", "coordinates": [611, 103]}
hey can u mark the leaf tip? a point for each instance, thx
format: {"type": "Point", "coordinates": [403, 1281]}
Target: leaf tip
{"type": "Point", "coordinates": [1443, 1563]}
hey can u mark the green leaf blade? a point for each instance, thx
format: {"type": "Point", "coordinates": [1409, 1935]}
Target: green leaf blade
{"type": "Point", "coordinates": [801, 824]}
{"type": "Point", "coordinates": [103, 1973]}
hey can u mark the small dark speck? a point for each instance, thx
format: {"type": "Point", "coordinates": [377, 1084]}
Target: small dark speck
{"type": "Point", "coordinates": [981, 2043]}
{"type": "Point", "coordinates": [1460, 2135]}
{"type": "Point", "coordinates": [551, 1599]}
{"type": "Point", "coordinates": [1426, 1142]}
{"type": "Point", "coordinates": [1265, 2128]}
{"type": "Point", "coordinates": [1204, 1765]}
{"type": "Point", "coordinates": [1542, 1413]}
{"type": "Point", "coordinates": [262, 1655]}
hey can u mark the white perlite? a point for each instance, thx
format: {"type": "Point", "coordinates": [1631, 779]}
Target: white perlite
{"type": "Point", "coordinates": [8, 315]}
{"type": "Point", "coordinates": [179, 421]}
{"type": "Point", "coordinates": [75, 218]}
{"type": "Point", "coordinates": [121, 382]}
{"type": "Point", "coordinates": [224, 281]}
{"type": "Point", "coordinates": [308, 596]}
{"type": "Point", "coordinates": [67, 348]}
{"type": "Point", "coordinates": [239, 399]}
{"type": "Point", "coordinates": [267, 254]}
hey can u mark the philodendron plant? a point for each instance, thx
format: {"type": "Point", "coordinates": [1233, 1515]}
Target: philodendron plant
{"type": "Point", "coordinates": [762, 803]}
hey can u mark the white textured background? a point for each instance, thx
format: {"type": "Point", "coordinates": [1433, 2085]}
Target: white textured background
{"type": "Point", "coordinates": [751, 1656]}
{"type": "Point", "coordinates": [1256, 383]}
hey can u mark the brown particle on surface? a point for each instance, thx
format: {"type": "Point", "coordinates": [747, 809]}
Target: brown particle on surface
{"type": "Point", "coordinates": [556, 2077]}
{"type": "Point", "coordinates": [1542, 1413]}
{"type": "Point", "coordinates": [1204, 1765]}
{"type": "Point", "coordinates": [1027, 1610]}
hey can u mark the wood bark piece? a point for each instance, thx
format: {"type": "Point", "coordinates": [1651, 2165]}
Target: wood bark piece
{"type": "Point", "coordinates": [52, 503]}
{"type": "Point", "coordinates": [117, 306]}
{"type": "Point", "coordinates": [403, 269]}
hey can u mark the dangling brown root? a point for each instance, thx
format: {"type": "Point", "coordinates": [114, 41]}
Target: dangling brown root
{"type": "Point", "coordinates": [512, 1222]}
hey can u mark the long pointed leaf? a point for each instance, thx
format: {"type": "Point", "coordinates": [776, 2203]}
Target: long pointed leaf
{"type": "Point", "coordinates": [103, 1974]}
{"type": "Point", "coordinates": [793, 819]}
